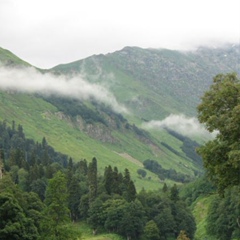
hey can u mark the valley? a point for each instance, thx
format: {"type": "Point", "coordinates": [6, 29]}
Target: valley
{"type": "Point", "coordinates": [132, 109]}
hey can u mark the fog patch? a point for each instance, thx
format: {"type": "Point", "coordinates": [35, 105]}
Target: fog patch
{"type": "Point", "coordinates": [179, 123]}
{"type": "Point", "coordinates": [29, 80]}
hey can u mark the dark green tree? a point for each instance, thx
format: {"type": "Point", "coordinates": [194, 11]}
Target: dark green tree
{"type": "Point", "coordinates": [174, 193]}
{"type": "Point", "coordinates": [133, 220]}
{"type": "Point", "coordinates": [92, 179]}
{"type": "Point", "coordinates": [74, 193]}
{"type": "Point", "coordinates": [223, 216]}
{"type": "Point", "coordinates": [96, 215]}
{"type": "Point", "coordinates": [84, 206]}
{"type": "Point", "coordinates": [17, 217]}
{"type": "Point", "coordinates": [108, 179]}
{"type": "Point", "coordinates": [165, 188]}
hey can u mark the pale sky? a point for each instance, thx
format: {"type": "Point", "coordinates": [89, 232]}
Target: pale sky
{"type": "Point", "coordinates": [46, 33]}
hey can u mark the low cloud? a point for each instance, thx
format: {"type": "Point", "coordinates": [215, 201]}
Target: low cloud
{"type": "Point", "coordinates": [179, 123]}
{"type": "Point", "coordinates": [29, 80]}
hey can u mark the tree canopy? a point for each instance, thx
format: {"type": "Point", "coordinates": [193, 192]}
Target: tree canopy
{"type": "Point", "coordinates": [219, 110]}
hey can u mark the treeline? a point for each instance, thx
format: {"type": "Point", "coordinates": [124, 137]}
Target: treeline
{"type": "Point", "coordinates": [95, 114]}
{"type": "Point", "coordinates": [98, 113]}
{"type": "Point", "coordinates": [163, 173]}
{"type": "Point", "coordinates": [41, 193]}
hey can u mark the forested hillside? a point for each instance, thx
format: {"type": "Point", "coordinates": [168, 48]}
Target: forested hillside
{"type": "Point", "coordinates": [41, 191]}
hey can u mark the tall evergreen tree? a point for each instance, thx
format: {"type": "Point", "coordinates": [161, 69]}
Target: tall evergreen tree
{"type": "Point", "coordinates": [92, 179]}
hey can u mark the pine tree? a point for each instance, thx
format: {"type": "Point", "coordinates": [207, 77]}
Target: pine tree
{"type": "Point", "coordinates": [174, 194]}
{"type": "Point", "coordinates": [92, 179]}
{"type": "Point", "coordinates": [108, 179]}
{"type": "Point", "coordinates": [165, 188]}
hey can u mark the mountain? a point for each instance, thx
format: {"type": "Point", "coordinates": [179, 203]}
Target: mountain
{"type": "Point", "coordinates": [150, 83]}
{"type": "Point", "coordinates": [155, 83]}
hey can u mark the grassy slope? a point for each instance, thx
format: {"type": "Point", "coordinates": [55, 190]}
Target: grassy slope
{"type": "Point", "coordinates": [86, 233]}
{"type": "Point", "coordinates": [39, 120]}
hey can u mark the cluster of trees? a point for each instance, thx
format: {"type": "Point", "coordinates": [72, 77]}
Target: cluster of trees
{"type": "Point", "coordinates": [163, 173]}
{"type": "Point", "coordinates": [41, 193]}
{"type": "Point", "coordinates": [223, 221]}
{"type": "Point", "coordinates": [74, 107]}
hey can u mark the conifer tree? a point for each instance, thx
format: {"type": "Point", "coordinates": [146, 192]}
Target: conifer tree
{"type": "Point", "coordinates": [92, 179]}
{"type": "Point", "coordinates": [174, 193]}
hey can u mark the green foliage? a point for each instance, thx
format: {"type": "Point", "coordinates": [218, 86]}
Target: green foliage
{"type": "Point", "coordinates": [56, 212]}
{"type": "Point", "coordinates": [151, 231]}
{"type": "Point", "coordinates": [223, 216]}
{"type": "Point", "coordinates": [92, 180]}
{"type": "Point", "coordinates": [200, 187]}
{"type": "Point", "coordinates": [20, 212]}
{"type": "Point", "coordinates": [170, 216]}
{"type": "Point", "coordinates": [174, 193]}
{"type": "Point", "coordinates": [220, 111]}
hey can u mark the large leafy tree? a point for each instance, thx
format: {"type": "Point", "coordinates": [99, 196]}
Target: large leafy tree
{"type": "Point", "coordinates": [220, 112]}
{"type": "Point", "coordinates": [19, 214]}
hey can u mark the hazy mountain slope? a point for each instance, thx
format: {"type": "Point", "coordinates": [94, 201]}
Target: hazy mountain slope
{"type": "Point", "coordinates": [7, 58]}
{"type": "Point", "coordinates": [154, 83]}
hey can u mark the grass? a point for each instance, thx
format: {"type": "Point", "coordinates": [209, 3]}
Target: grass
{"type": "Point", "coordinates": [40, 119]}
{"type": "Point", "coordinates": [86, 233]}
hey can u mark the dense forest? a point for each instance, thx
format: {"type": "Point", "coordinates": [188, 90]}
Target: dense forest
{"type": "Point", "coordinates": [42, 191]}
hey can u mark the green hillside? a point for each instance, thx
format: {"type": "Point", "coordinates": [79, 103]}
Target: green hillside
{"type": "Point", "coordinates": [41, 119]}
{"type": "Point", "coordinates": [151, 83]}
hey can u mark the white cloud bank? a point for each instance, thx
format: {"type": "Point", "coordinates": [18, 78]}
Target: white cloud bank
{"type": "Point", "coordinates": [179, 123]}
{"type": "Point", "coordinates": [29, 80]}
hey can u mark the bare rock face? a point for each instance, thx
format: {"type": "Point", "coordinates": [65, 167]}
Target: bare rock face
{"type": "Point", "coordinates": [100, 132]}
{"type": "Point", "coordinates": [96, 131]}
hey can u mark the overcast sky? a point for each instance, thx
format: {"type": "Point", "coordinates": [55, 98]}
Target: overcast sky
{"type": "Point", "coordinates": [49, 32]}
